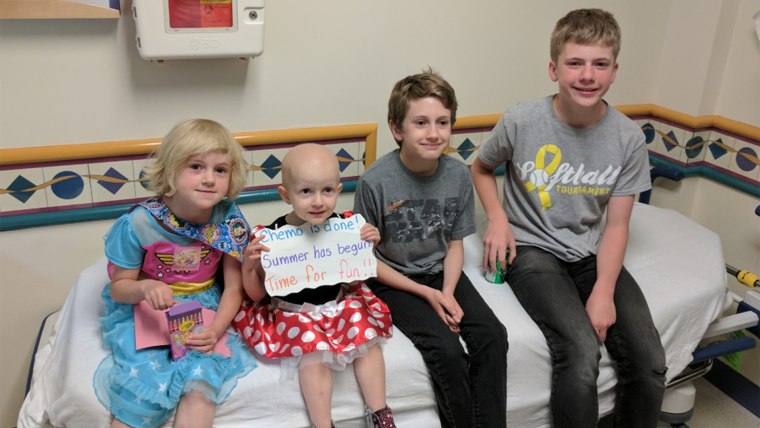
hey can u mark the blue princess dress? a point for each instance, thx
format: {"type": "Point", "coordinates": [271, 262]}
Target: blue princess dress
{"type": "Point", "coordinates": [143, 387]}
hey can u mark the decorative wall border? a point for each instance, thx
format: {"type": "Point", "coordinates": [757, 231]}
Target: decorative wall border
{"type": "Point", "coordinates": [50, 185]}
{"type": "Point", "coordinates": [714, 147]}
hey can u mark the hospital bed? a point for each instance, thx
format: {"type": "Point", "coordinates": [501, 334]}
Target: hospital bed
{"type": "Point", "coordinates": [679, 398]}
{"type": "Point", "coordinates": [678, 263]}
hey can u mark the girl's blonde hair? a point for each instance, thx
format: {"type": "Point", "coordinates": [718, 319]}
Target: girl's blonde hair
{"type": "Point", "coordinates": [191, 138]}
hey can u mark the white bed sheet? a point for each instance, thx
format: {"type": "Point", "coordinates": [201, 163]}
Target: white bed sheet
{"type": "Point", "coordinates": [678, 263]}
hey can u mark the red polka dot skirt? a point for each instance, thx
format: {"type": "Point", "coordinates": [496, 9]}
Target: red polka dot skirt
{"type": "Point", "coordinates": [283, 330]}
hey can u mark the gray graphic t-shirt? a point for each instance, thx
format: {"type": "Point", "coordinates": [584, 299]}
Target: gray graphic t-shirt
{"type": "Point", "coordinates": [417, 216]}
{"type": "Point", "coordinates": [559, 178]}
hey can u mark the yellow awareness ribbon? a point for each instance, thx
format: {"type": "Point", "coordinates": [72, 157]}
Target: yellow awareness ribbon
{"type": "Point", "coordinates": [550, 169]}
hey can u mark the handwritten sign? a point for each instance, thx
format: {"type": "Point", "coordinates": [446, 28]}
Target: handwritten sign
{"type": "Point", "coordinates": [309, 256]}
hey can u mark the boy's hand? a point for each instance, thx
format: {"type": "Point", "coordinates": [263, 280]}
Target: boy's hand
{"type": "Point", "coordinates": [157, 294]}
{"type": "Point", "coordinates": [446, 307]}
{"type": "Point", "coordinates": [602, 313]}
{"type": "Point", "coordinates": [203, 341]}
{"type": "Point", "coordinates": [370, 233]}
{"type": "Point", "coordinates": [252, 255]}
{"type": "Point", "coordinates": [498, 242]}
{"type": "Point", "coordinates": [454, 313]}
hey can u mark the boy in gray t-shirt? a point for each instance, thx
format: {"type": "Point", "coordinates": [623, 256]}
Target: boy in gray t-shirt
{"type": "Point", "coordinates": [422, 202]}
{"type": "Point", "coordinates": [569, 158]}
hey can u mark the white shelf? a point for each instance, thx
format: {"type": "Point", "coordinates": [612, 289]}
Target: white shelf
{"type": "Point", "coordinates": [54, 9]}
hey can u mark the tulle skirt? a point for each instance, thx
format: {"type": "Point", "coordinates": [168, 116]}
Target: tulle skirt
{"type": "Point", "coordinates": [143, 387]}
{"type": "Point", "coordinates": [334, 333]}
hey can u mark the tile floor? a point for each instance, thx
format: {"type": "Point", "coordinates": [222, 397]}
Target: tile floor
{"type": "Point", "coordinates": [714, 409]}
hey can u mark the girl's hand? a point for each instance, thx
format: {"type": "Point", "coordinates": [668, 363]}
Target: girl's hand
{"type": "Point", "coordinates": [203, 341]}
{"type": "Point", "coordinates": [157, 294]}
{"type": "Point", "coordinates": [252, 255]}
{"type": "Point", "coordinates": [370, 233]}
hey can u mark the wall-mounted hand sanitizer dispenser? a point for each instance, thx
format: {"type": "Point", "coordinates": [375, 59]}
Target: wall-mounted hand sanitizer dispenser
{"type": "Point", "coordinates": [187, 29]}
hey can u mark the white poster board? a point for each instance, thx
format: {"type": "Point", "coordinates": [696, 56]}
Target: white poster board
{"type": "Point", "coordinates": [309, 256]}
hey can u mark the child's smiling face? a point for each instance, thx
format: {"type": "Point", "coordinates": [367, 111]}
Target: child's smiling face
{"type": "Point", "coordinates": [311, 184]}
{"type": "Point", "coordinates": [201, 183]}
{"type": "Point", "coordinates": [424, 134]}
{"type": "Point", "coordinates": [584, 74]}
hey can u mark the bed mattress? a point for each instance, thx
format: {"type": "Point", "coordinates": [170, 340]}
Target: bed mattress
{"type": "Point", "coordinates": [678, 263]}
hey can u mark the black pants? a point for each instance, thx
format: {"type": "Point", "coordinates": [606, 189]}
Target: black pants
{"type": "Point", "coordinates": [554, 294]}
{"type": "Point", "coordinates": [470, 386]}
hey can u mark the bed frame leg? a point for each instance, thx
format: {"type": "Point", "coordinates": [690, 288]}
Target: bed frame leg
{"type": "Point", "coordinates": [678, 405]}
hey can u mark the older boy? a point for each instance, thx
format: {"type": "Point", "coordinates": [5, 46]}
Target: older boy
{"type": "Point", "coordinates": [422, 202]}
{"type": "Point", "coordinates": [569, 157]}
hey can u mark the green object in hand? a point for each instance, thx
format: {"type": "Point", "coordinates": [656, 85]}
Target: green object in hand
{"type": "Point", "coordinates": [498, 276]}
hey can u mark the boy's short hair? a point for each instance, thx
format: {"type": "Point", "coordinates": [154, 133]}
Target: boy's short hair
{"type": "Point", "coordinates": [190, 138]}
{"type": "Point", "coordinates": [422, 85]}
{"type": "Point", "coordinates": [586, 27]}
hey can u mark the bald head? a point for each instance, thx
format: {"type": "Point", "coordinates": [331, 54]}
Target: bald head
{"type": "Point", "coordinates": [309, 159]}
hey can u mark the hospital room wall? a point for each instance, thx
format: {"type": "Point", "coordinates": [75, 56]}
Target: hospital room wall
{"type": "Point", "coordinates": [82, 81]}
{"type": "Point", "coordinates": [721, 55]}
{"type": "Point", "coordinates": [727, 91]}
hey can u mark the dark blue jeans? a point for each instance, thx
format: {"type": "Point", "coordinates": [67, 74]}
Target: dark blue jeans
{"type": "Point", "coordinates": [470, 387]}
{"type": "Point", "coordinates": [554, 294]}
